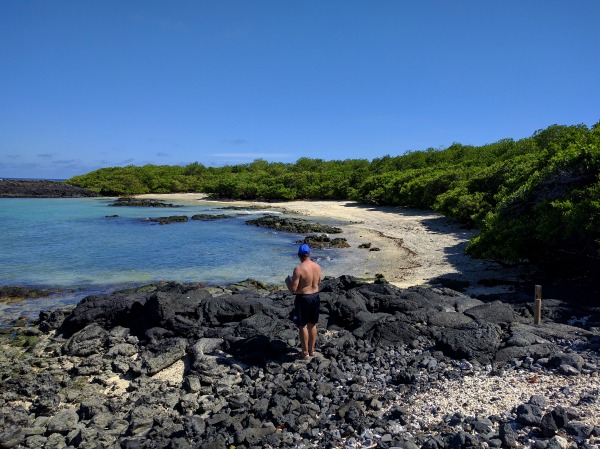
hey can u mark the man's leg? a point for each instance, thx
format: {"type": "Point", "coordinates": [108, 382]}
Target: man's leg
{"type": "Point", "coordinates": [311, 330]}
{"type": "Point", "coordinates": [303, 334]}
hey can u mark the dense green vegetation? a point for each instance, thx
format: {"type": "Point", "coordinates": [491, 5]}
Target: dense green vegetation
{"type": "Point", "coordinates": [534, 198]}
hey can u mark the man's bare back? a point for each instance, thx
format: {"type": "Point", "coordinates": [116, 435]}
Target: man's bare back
{"type": "Point", "coordinates": [307, 275]}
{"type": "Point", "coordinates": [306, 278]}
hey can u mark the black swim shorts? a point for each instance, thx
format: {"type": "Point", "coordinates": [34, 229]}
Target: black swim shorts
{"type": "Point", "coordinates": [306, 309]}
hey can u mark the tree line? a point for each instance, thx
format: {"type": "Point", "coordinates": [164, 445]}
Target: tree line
{"type": "Point", "coordinates": [533, 198]}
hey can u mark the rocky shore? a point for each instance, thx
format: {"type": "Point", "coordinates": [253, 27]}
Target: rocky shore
{"type": "Point", "coordinates": [42, 189]}
{"type": "Point", "coordinates": [188, 366]}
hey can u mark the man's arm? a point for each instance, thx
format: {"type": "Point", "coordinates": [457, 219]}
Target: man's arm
{"type": "Point", "coordinates": [293, 282]}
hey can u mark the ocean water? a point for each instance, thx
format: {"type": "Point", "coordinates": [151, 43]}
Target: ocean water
{"type": "Point", "coordinates": [72, 244]}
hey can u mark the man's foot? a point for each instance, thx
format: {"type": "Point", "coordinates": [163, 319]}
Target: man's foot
{"type": "Point", "coordinates": [303, 356]}
{"type": "Point", "coordinates": [311, 353]}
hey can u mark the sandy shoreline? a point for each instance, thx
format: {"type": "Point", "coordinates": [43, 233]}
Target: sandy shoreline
{"type": "Point", "coordinates": [416, 247]}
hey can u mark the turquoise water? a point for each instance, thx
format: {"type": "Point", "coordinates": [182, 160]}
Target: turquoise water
{"type": "Point", "coordinates": [72, 244]}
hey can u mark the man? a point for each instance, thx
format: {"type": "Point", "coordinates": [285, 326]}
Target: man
{"type": "Point", "coordinates": [304, 283]}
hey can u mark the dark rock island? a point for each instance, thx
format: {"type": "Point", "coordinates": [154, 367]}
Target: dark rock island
{"type": "Point", "coordinates": [295, 225]}
{"type": "Point", "coordinates": [42, 189]}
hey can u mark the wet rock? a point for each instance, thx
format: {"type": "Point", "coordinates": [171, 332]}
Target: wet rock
{"type": "Point", "coordinates": [9, 293]}
{"type": "Point", "coordinates": [140, 202]}
{"type": "Point", "coordinates": [169, 219]}
{"type": "Point", "coordinates": [295, 225]}
{"type": "Point", "coordinates": [209, 217]}
{"type": "Point", "coordinates": [323, 241]}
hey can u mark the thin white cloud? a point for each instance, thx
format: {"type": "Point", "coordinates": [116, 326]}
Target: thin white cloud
{"type": "Point", "coordinates": [16, 170]}
{"type": "Point", "coordinates": [68, 162]}
{"type": "Point", "coordinates": [64, 162]}
{"type": "Point", "coordinates": [19, 166]}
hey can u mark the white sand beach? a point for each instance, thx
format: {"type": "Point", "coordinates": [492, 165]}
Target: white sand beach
{"type": "Point", "coordinates": [416, 247]}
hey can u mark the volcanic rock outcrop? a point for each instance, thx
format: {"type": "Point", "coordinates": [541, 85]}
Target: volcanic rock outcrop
{"type": "Point", "coordinates": [10, 188]}
{"type": "Point", "coordinates": [181, 366]}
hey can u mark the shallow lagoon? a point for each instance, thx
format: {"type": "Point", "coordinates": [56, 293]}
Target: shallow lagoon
{"type": "Point", "coordinates": [74, 244]}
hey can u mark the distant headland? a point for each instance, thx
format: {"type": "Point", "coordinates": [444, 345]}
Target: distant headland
{"type": "Point", "coordinates": [12, 188]}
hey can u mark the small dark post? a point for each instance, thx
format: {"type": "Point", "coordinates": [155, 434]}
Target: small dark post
{"type": "Point", "coordinates": [537, 310]}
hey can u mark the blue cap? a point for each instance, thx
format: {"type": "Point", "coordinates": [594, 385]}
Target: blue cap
{"type": "Point", "coordinates": [303, 250]}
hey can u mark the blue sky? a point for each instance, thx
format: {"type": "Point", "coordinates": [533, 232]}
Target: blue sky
{"type": "Point", "coordinates": [91, 84]}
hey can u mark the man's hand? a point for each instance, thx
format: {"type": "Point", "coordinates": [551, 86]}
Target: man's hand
{"type": "Point", "coordinates": [291, 284]}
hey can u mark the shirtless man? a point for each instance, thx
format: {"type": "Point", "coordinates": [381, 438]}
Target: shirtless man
{"type": "Point", "coordinates": [304, 283]}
